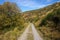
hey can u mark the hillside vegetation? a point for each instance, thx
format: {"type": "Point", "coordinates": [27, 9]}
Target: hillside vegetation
{"type": "Point", "coordinates": [11, 21]}
{"type": "Point", "coordinates": [46, 20]}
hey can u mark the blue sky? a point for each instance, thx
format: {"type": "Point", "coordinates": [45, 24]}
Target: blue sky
{"type": "Point", "coordinates": [26, 5]}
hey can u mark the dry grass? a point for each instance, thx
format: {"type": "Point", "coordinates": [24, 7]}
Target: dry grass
{"type": "Point", "coordinates": [49, 33]}
{"type": "Point", "coordinates": [12, 34]}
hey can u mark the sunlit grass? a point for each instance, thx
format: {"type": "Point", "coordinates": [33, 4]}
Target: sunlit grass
{"type": "Point", "coordinates": [13, 34]}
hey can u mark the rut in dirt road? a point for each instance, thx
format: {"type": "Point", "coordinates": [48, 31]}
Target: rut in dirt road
{"type": "Point", "coordinates": [30, 33]}
{"type": "Point", "coordinates": [35, 33]}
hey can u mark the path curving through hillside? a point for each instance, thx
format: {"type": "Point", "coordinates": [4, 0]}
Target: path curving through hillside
{"type": "Point", "coordinates": [30, 33]}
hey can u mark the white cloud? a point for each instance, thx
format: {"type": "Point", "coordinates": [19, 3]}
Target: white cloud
{"type": "Point", "coordinates": [58, 1]}
{"type": "Point", "coordinates": [29, 3]}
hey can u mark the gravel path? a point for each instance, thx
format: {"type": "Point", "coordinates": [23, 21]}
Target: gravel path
{"type": "Point", "coordinates": [30, 33]}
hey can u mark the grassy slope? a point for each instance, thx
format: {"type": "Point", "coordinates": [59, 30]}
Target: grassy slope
{"type": "Point", "coordinates": [11, 22]}
{"type": "Point", "coordinates": [44, 21]}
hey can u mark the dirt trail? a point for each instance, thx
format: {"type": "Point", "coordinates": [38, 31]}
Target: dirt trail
{"type": "Point", "coordinates": [30, 34]}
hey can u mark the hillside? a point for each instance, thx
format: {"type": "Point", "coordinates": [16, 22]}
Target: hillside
{"type": "Point", "coordinates": [46, 20]}
{"type": "Point", "coordinates": [11, 22]}
{"type": "Point", "coordinates": [39, 12]}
